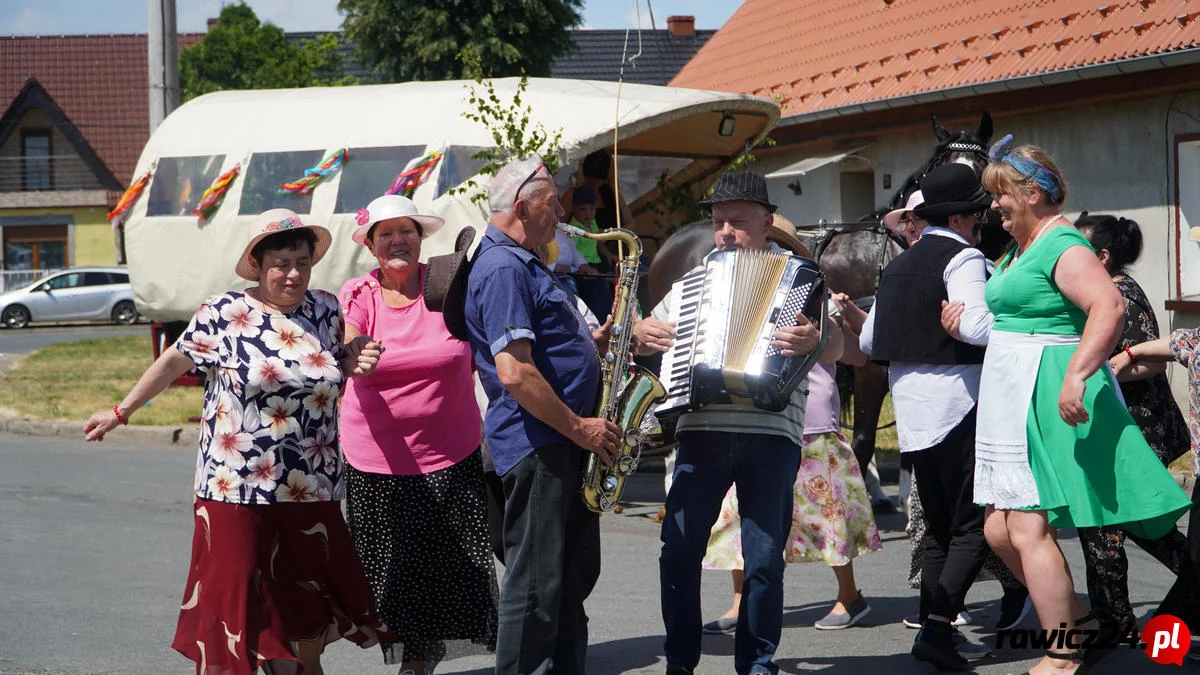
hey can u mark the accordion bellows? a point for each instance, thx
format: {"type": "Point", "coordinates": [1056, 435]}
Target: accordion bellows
{"type": "Point", "coordinates": [726, 316]}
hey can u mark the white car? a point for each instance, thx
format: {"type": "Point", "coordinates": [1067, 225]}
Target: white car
{"type": "Point", "coordinates": [77, 294]}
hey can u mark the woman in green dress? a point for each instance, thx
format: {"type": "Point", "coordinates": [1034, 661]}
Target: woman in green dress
{"type": "Point", "coordinates": [1078, 459]}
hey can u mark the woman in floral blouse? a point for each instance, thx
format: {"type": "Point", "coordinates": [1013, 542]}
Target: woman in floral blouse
{"type": "Point", "coordinates": [1118, 244]}
{"type": "Point", "coordinates": [273, 576]}
{"type": "Point", "coordinates": [1139, 363]}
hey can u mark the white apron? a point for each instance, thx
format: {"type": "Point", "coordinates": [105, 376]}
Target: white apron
{"type": "Point", "coordinates": [1003, 477]}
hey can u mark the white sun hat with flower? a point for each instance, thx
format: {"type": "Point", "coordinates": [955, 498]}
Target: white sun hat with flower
{"type": "Point", "coordinates": [393, 206]}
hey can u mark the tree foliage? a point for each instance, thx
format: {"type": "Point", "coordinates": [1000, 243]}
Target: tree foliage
{"type": "Point", "coordinates": [407, 40]}
{"type": "Point", "coordinates": [240, 52]}
{"type": "Point", "coordinates": [515, 134]}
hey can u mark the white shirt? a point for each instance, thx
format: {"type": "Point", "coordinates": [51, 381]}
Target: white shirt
{"type": "Point", "coordinates": [567, 253]}
{"type": "Point", "coordinates": [930, 400]}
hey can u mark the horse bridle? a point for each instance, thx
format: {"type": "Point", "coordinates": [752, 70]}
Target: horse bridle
{"type": "Point", "coordinates": [821, 242]}
{"type": "Point", "coordinates": [951, 147]}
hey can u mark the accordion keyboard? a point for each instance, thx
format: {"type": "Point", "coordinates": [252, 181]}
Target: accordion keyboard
{"type": "Point", "coordinates": [675, 373]}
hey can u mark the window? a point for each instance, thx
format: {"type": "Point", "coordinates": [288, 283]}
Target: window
{"type": "Point", "coordinates": [267, 171]}
{"type": "Point", "coordinates": [1187, 219]}
{"type": "Point", "coordinates": [97, 278]}
{"type": "Point", "coordinates": [639, 175]}
{"type": "Point", "coordinates": [369, 173]}
{"type": "Point", "coordinates": [119, 278]}
{"type": "Point", "coordinates": [71, 280]}
{"type": "Point", "coordinates": [35, 152]}
{"type": "Point", "coordinates": [35, 247]}
{"type": "Point", "coordinates": [179, 182]}
{"type": "Point", "coordinates": [457, 166]}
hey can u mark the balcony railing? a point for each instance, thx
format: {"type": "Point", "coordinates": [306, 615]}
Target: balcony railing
{"type": "Point", "coordinates": [13, 279]}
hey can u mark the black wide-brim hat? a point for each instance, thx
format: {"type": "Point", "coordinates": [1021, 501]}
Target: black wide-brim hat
{"type": "Point", "coordinates": [951, 189]}
{"type": "Point", "coordinates": [743, 186]}
{"type": "Point", "coordinates": [446, 284]}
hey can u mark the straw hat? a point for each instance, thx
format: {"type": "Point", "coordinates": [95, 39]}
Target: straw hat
{"type": "Point", "coordinates": [273, 222]}
{"type": "Point", "coordinates": [392, 206]}
{"type": "Point", "coordinates": [783, 232]}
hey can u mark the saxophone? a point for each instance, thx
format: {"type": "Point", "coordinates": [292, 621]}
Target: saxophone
{"type": "Point", "coordinates": [627, 391]}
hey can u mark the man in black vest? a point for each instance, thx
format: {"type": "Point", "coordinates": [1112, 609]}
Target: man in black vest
{"type": "Point", "coordinates": [935, 385]}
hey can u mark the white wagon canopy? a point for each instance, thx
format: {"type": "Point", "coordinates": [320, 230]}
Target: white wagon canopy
{"type": "Point", "coordinates": [177, 259]}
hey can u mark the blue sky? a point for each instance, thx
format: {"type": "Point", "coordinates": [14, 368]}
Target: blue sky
{"type": "Point", "coordinates": [55, 17]}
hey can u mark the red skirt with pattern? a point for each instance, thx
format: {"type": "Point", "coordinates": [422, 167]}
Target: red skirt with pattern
{"type": "Point", "coordinates": [264, 577]}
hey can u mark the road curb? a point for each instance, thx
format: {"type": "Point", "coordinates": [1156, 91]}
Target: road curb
{"type": "Point", "coordinates": [185, 436]}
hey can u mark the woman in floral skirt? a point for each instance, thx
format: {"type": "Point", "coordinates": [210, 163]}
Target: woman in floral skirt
{"type": "Point", "coordinates": [832, 521]}
{"type": "Point", "coordinates": [273, 576]}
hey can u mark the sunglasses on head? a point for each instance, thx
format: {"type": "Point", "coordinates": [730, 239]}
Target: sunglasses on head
{"type": "Point", "coordinates": [517, 194]}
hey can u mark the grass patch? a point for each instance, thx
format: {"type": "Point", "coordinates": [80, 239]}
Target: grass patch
{"type": "Point", "coordinates": [885, 434]}
{"type": "Point", "coordinates": [71, 381]}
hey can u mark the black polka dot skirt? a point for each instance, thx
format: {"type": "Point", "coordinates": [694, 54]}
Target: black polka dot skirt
{"type": "Point", "coordinates": [423, 542]}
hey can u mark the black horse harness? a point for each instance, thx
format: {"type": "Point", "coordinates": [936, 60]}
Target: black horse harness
{"type": "Point", "coordinates": [822, 239]}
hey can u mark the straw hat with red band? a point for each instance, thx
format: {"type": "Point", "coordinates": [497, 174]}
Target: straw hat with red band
{"type": "Point", "coordinates": [273, 222]}
{"type": "Point", "coordinates": [392, 206]}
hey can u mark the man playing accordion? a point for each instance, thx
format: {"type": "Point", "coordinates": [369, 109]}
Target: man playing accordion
{"type": "Point", "coordinates": [721, 444]}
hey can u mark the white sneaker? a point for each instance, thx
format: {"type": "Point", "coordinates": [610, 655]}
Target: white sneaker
{"type": "Point", "coordinates": [963, 619]}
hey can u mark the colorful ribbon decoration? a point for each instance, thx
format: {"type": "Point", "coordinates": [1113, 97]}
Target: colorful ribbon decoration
{"type": "Point", "coordinates": [121, 210]}
{"type": "Point", "coordinates": [414, 173]}
{"type": "Point", "coordinates": [316, 174]}
{"type": "Point", "coordinates": [211, 200]}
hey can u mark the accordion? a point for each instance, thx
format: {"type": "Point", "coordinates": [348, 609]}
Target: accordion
{"type": "Point", "coordinates": [726, 315]}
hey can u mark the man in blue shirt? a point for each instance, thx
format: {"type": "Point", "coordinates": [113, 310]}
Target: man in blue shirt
{"type": "Point", "coordinates": [540, 367]}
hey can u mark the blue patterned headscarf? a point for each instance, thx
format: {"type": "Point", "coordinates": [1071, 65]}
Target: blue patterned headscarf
{"type": "Point", "coordinates": [1040, 175]}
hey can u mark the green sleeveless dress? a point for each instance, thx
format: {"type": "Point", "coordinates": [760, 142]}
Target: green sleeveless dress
{"type": "Point", "coordinates": [1099, 473]}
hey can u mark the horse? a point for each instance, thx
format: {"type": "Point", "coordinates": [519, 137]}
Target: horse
{"type": "Point", "coordinates": [852, 257]}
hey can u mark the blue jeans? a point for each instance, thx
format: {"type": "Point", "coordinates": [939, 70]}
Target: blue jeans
{"type": "Point", "coordinates": [764, 470]}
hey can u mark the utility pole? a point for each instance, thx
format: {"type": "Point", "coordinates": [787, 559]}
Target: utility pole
{"type": "Point", "coordinates": [163, 46]}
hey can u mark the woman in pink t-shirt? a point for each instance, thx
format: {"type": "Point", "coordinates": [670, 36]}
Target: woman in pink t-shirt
{"type": "Point", "coordinates": [411, 434]}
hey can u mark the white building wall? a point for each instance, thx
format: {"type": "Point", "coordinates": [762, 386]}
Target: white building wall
{"type": "Point", "coordinates": [820, 198]}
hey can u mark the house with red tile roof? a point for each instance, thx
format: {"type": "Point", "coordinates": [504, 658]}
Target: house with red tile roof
{"type": "Point", "coordinates": [74, 121]}
{"type": "Point", "coordinates": [1111, 88]}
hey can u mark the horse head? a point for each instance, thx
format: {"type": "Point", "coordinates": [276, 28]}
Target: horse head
{"type": "Point", "coordinates": [966, 147]}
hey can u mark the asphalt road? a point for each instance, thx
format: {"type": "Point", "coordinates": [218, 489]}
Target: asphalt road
{"type": "Point", "coordinates": [25, 340]}
{"type": "Point", "coordinates": [94, 546]}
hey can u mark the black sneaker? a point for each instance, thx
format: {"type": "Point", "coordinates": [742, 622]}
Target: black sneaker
{"type": "Point", "coordinates": [679, 670]}
{"type": "Point", "coordinates": [1014, 606]}
{"type": "Point", "coordinates": [935, 645]}
{"type": "Point", "coordinates": [883, 507]}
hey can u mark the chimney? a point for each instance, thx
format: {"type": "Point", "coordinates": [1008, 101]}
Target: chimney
{"type": "Point", "coordinates": [683, 26]}
{"type": "Point", "coordinates": [212, 21]}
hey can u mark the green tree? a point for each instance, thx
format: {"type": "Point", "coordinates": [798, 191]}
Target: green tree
{"type": "Point", "coordinates": [407, 40]}
{"type": "Point", "coordinates": [240, 52]}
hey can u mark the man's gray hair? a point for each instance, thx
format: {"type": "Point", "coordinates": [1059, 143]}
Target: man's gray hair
{"type": "Point", "coordinates": [502, 193]}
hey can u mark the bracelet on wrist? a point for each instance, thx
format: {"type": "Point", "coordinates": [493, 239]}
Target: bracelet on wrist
{"type": "Point", "coordinates": [120, 418]}
{"type": "Point", "coordinates": [1132, 357]}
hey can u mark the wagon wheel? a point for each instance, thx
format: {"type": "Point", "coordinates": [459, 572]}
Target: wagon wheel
{"type": "Point", "coordinates": [887, 416]}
